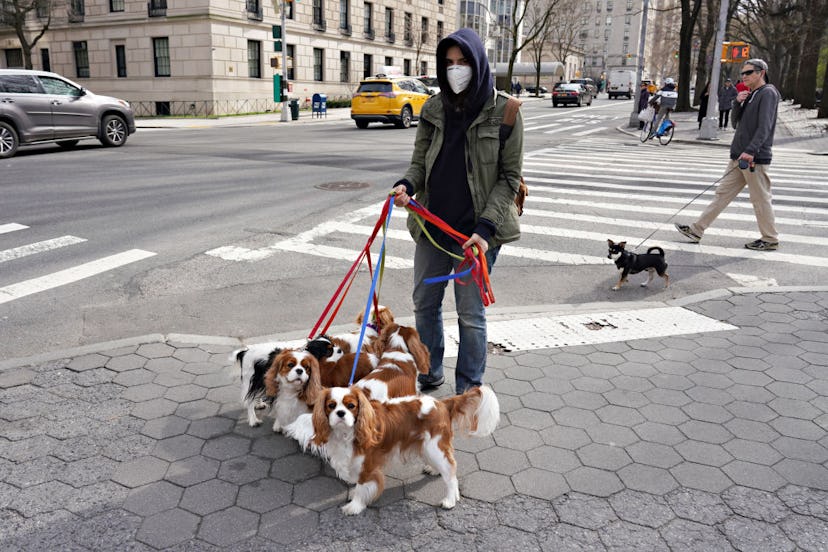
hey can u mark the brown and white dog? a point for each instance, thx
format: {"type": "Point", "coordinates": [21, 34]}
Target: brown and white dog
{"type": "Point", "coordinates": [358, 435]}
{"type": "Point", "coordinates": [403, 357]}
{"type": "Point", "coordinates": [293, 379]}
{"type": "Point", "coordinates": [253, 363]}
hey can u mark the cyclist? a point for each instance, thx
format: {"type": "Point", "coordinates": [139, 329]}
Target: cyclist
{"type": "Point", "coordinates": [665, 100]}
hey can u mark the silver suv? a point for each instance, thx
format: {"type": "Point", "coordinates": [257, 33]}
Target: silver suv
{"type": "Point", "coordinates": [37, 107]}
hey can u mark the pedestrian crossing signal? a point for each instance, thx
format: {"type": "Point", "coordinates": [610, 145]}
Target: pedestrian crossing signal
{"type": "Point", "coordinates": [277, 35]}
{"type": "Point", "coordinates": [735, 52]}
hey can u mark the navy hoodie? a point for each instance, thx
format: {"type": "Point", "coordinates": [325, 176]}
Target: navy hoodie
{"type": "Point", "coordinates": [448, 186]}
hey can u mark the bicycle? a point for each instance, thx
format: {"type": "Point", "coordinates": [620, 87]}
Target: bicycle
{"type": "Point", "coordinates": [666, 131]}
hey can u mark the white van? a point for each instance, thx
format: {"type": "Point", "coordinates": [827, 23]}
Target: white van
{"type": "Point", "coordinates": [621, 82]}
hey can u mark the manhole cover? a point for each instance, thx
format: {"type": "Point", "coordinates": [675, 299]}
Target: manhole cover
{"type": "Point", "coordinates": [342, 186]}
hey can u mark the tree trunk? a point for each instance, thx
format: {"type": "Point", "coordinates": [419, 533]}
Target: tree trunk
{"type": "Point", "coordinates": [823, 105]}
{"type": "Point", "coordinates": [813, 30]}
{"type": "Point", "coordinates": [689, 14]}
{"type": "Point", "coordinates": [787, 81]}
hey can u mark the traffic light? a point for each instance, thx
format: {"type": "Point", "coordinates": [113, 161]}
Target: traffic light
{"type": "Point", "coordinates": [735, 52]}
{"type": "Point", "coordinates": [277, 36]}
{"type": "Point", "coordinates": [675, 54]}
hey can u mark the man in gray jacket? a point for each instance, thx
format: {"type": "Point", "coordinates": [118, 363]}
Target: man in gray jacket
{"type": "Point", "coordinates": [754, 113]}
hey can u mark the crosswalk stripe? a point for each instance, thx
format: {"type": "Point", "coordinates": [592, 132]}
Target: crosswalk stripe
{"type": "Point", "coordinates": [669, 199]}
{"type": "Point", "coordinates": [661, 226]}
{"type": "Point", "coordinates": [38, 247]}
{"type": "Point", "coordinates": [542, 126]}
{"type": "Point", "coordinates": [590, 131]}
{"type": "Point", "coordinates": [562, 129]}
{"type": "Point", "coordinates": [11, 227]}
{"type": "Point", "coordinates": [71, 275]}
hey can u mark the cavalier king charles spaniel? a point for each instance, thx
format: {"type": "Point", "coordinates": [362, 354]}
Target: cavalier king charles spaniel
{"type": "Point", "coordinates": [293, 380]}
{"type": "Point", "coordinates": [403, 357]}
{"type": "Point", "coordinates": [358, 435]}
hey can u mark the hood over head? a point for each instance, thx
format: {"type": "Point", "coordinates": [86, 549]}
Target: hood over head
{"type": "Point", "coordinates": [481, 86]}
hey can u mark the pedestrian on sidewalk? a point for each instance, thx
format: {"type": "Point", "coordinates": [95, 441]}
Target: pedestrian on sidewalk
{"type": "Point", "coordinates": [643, 98]}
{"type": "Point", "coordinates": [460, 172]}
{"type": "Point", "coordinates": [726, 96]}
{"type": "Point", "coordinates": [705, 97]}
{"type": "Point", "coordinates": [754, 112]}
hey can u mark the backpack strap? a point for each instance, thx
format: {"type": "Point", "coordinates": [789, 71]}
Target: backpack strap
{"type": "Point", "coordinates": [509, 117]}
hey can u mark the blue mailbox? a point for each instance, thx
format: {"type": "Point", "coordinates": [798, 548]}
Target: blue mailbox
{"type": "Point", "coordinates": [320, 105]}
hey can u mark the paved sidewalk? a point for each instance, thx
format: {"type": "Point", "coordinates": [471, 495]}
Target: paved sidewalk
{"type": "Point", "coordinates": [713, 441]}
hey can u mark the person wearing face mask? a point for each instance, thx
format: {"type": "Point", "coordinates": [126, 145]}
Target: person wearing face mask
{"type": "Point", "coordinates": [460, 172]}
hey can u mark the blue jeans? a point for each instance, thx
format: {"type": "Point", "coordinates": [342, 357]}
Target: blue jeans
{"type": "Point", "coordinates": [428, 313]}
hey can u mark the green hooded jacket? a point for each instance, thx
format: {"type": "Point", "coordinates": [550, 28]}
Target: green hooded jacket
{"type": "Point", "coordinates": [493, 184]}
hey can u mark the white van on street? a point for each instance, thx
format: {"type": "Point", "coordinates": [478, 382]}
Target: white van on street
{"type": "Point", "coordinates": [621, 82]}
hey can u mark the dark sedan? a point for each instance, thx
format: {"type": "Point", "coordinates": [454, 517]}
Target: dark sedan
{"type": "Point", "coordinates": [530, 88]}
{"type": "Point", "coordinates": [570, 93]}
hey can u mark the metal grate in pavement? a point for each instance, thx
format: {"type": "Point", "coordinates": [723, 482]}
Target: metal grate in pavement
{"type": "Point", "coordinates": [590, 328]}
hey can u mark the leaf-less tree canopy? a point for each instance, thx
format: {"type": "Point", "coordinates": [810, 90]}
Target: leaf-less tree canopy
{"type": "Point", "coordinates": [30, 20]}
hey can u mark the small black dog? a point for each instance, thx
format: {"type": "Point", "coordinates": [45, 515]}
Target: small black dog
{"type": "Point", "coordinates": [630, 263]}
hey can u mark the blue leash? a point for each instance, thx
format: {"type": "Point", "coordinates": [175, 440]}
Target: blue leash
{"type": "Point", "coordinates": [367, 312]}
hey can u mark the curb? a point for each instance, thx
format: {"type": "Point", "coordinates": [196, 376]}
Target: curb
{"type": "Point", "coordinates": [506, 313]}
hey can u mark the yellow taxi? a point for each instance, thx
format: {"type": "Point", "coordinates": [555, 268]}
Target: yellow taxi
{"type": "Point", "coordinates": [383, 99]}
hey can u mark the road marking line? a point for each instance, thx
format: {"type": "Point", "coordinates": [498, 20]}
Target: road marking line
{"type": "Point", "coordinates": [541, 126]}
{"type": "Point", "coordinates": [11, 227]}
{"type": "Point", "coordinates": [554, 130]}
{"type": "Point", "coordinates": [71, 275]}
{"type": "Point", "coordinates": [38, 247]}
{"type": "Point", "coordinates": [590, 131]}
{"type": "Point", "coordinates": [748, 280]}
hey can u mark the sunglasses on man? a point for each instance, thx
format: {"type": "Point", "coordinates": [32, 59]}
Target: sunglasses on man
{"type": "Point", "coordinates": [749, 72]}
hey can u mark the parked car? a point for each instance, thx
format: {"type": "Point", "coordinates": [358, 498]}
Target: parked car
{"type": "Point", "coordinates": [589, 84]}
{"type": "Point", "coordinates": [530, 88]}
{"type": "Point", "coordinates": [382, 99]}
{"type": "Point", "coordinates": [39, 106]}
{"type": "Point", "coordinates": [571, 93]}
{"type": "Point", "coordinates": [430, 83]}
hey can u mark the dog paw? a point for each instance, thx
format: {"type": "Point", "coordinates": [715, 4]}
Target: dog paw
{"type": "Point", "coordinates": [644, 284]}
{"type": "Point", "coordinates": [353, 508]}
{"type": "Point", "coordinates": [430, 470]}
{"type": "Point", "coordinates": [449, 502]}
{"type": "Point", "coordinates": [615, 288]}
{"type": "Point", "coordinates": [254, 423]}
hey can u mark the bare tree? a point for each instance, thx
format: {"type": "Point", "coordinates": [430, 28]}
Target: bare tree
{"type": "Point", "coordinates": [517, 20]}
{"type": "Point", "coordinates": [813, 35]}
{"type": "Point", "coordinates": [565, 26]}
{"type": "Point", "coordinates": [690, 10]}
{"type": "Point", "coordinates": [663, 61]}
{"type": "Point", "coordinates": [545, 39]}
{"type": "Point", "coordinates": [707, 24]}
{"type": "Point", "coordinates": [30, 20]}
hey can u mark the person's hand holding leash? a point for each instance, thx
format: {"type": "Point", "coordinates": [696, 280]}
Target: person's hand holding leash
{"type": "Point", "coordinates": [401, 197]}
{"type": "Point", "coordinates": [477, 240]}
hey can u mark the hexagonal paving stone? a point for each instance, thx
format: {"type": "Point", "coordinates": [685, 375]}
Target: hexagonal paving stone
{"type": "Point", "coordinates": [612, 434]}
{"type": "Point", "coordinates": [228, 526]}
{"type": "Point", "coordinates": [486, 486]}
{"type": "Point", "coordinates": [162, 428]}
{"type": "Point", "coordinates": [244, 469]}
{"type": "Point", "coordinates": [320, 493]}
{"type": "Point", "coordinates": [264, 495]}
{"type": "Point", "coordinates": [226, 447]}
{"type": "Point", "coordinates": [208, 428]}
{"type": "Point", "coordinates": [592, 481]}
{"type": "Point", "coordinates": [140, 472]}
{"type": "Point", "coordinates": [517, 438]}
{"type": "Point", "coordinates": [748, 534]}
{"type": "Point", "coordinates": [153, 498]}
{"type": "Point", "coordinates": [703, 453]}
{"type": "Point", "coordinates": [540, 483]}
{"type": "Point", "coordinates": [699, 506]}
{"type": "Point", "coordinates": [755, 504]}
{"type": "Point", "coordinates": [178, 447]}
{"type": "Point", "coordinates": [295, 468]}
{"type": "Point", "coordinates": [156, 408]}
{"type": "Point", "coordinates": [502, 460]}
{"type": "Point", "coordinates": [619, 415]}
{"type": "Point", "coordinates": [606, 457]}
{"type": "Point", "coordinates": [192, 471]}
{"type": "Point", "coordinates": [155, 350]}
{"type": "Point", "coordinates": [641, 508]}
{"type": "Point", "coordinates": [706, 432]}
{"type": "Point", "coordinates": [553, 459]}
{"type": "Point", "coordinates": [210, 496]}
{"type": "Point", "coordinates": [752, 451]}
{"type": "Point", "coordinates": [584, 511]}
{"type": "Point", "coordinates": [289, 524]}
{"type": "Point", "coordinates": [653, 454]}
{"type": "Point", "coordinates": [698, 476]}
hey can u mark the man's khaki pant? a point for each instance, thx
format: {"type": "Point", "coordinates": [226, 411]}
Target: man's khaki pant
{"type": "Point", "coordinates": [759, 187]}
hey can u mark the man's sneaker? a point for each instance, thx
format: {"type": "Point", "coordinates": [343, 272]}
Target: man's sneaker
{"type": "Point", "coordinates": [761, 245]}
{"type": "Point", "coordinates": [427, 381]}
{"type": "Point", "coordinates": [687, 233]}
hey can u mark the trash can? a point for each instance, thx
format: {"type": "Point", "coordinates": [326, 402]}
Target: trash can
{"type": "Point", "coordinates": [319, 105]}
{"type": "Point", "coordinates": [294, 109]}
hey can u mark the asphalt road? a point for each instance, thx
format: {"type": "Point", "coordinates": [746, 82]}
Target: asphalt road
{"type": "Point", "coordinates": [178, 193]}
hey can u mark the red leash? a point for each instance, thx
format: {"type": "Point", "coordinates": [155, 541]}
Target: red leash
{"type": "Point", "coordinates": [474, 256]}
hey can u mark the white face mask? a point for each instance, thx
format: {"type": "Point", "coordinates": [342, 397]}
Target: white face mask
{"type": "Point", "coordinates": [458, 77]}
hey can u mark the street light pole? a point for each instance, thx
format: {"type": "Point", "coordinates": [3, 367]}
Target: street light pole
{"type": "Point", "coordinates": [284, 118]}
{"type": "Point", "coordinates": [640, 74]}
{"type": "Point", "coordinates": [710, 123]}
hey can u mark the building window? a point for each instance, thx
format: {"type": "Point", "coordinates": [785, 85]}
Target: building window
{"type": "Point", "coordinates": [626, 35]}
{"type": "Point", "coordinates": [367, 65]}
{"type": "Point", "coordinates": [319, 15]}
{"type": "Point", "coordinates": [116, 5]}
{"type": "Point", "coordinates": [345, 15]}
{"type": "Point", "coordinates": [627, 19]}
{"type": "Point", "coordinates": [389, 61]}
{"type": "Point", "coordinates": [254, 59]}
{"type": "Point", "coordinates": [81, 59]}
{"type": "Point", "coordinates": [157, 8]}
{"type": "Point", "coordinates": [77, 9]}
{"type": "Point", "coordinates": [609, 20]}
{"type": "Point", "coordinates": [318, 64]}
{"type": "Point", "coordinates": [368, 20]}
{"type": "Point", "coordinates": [344, 66]}
{"type": "Point", "coordinates": [289, 52]}
{"type": "Point", "coordinates": [407, 66]}
{"type": "Point", "coordinates": [289, 10]}
{"type": "Point", "coordinates": [120, 61]}
{"type": "Point", "coordinates": [626, 49]}
{"type": "Point", "coordinates": [407, 23]}
{"type": "Point", "coordinates": [606, 34]}
{"type": "Point", "coordinates": [389, 25]}
{"type": "Point", "coordinates": [424, 68]}
{"type": "Point", "coordinates": [424, 31]}
{"type": "Point", "coordinates": [43, 9]}
{"type": "Point", "coordinates": [45, 60]}
{"type": "Point", "coordinates": [14, 58]}
{"type": "Point", "coordinates": [609, 6]}
{"type": "Point", "coordinates": [629, 5]}
{"type": "Point", "coordinates": [439, 36]}
{"type": "Point", "coordinates": [598, 6]}
{"type": "Point", "coordinates": [254, 10]}
{"type": "Point", "coordinates": [161, 55]}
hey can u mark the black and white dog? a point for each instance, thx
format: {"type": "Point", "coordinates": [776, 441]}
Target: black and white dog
{"type": "Point", "coordinates": [253, 362]}
{"type": "Point", "coordinates": [630, 263]}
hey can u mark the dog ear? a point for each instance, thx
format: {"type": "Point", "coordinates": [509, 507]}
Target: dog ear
{"type": "Point", "coordinates": [271, 378]}
{"type": "Point", "coordinates": [313, 388]}
{"type": "Point", "coordinates": [321, 425]}
{"type": "Point", "coordinates": [365, 429]}
{"type": "Point", "coordinates": [422, 358]}
{"type": "Point", "coordinates": [385, 316]}
{"type": "Point", "coordinates": [610, 243]}
{"type": "Point", "coordinates": [622, 244]}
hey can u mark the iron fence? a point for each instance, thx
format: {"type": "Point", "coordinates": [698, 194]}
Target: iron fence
{"type": "Point", "coordinates": [202, 108]}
